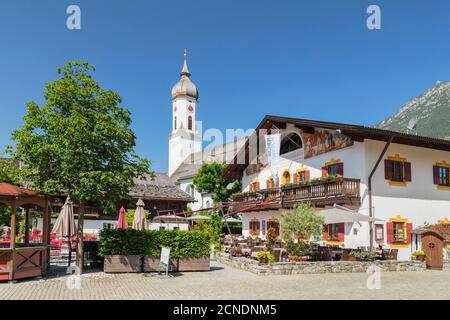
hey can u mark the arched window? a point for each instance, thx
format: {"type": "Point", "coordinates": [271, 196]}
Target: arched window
{"type": "Point", "coordinates": [208, 204]}
{"type": "Point", "coordinates": [269, 183]}
{"type": "Point", "coordinates": [254, 186]}
{"type": "Point", "coordinates": [190, 123]}
{"type": "Point", "coordinates": [286, 179]}
{"type": "Point", "coordinates": [175, 123]}
{"type": "Point", "coordinates": [190, 189]}
{"type": "Point", "coordinates": [290, 143]}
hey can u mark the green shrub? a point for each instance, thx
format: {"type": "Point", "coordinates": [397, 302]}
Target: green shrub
{"type": "Point", "coordinates": [126, 242]}
{"type": "Point", "coordinates": [148, 243]}
{"type": "Point", "coordinates": [301, 248]}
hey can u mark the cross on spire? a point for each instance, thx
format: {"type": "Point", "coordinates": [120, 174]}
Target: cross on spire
{"type": "Point", "coordinates": [185, 71]}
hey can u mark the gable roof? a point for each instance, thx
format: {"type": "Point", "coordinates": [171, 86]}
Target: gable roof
{"type": "Point", "coordinates": [221, 153]}
{"type": "Point", "coordinates": [10, 190]}
{"type": "Point", "coordinates": [158, 188]}
{"type": "Point", "coordinates": [441, 229]}
{"type": "Point", "coordinates": [355, 132]}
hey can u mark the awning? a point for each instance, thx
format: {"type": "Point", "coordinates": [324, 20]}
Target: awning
{"type": "Point", "coordinates": [198, 217]}
{"type": "Point", "coordinates": [232, 220]}
{"type": "Point", "coordinates": [339, 214]}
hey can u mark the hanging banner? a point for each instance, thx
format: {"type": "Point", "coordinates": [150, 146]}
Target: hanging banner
{"type": "Point", "coordinates": [273, 142]}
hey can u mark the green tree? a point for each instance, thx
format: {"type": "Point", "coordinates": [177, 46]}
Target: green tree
{"type": "Point", "coordinates": [80, 141]}
{"type": "Point", "coordinates": [210, 179]}
{"type": "Point", "coordinates": [212, 227]}
{"type": "Point", "coordinates": [301, 222]}
{"type": "Point", "coordinates": [9, 171]}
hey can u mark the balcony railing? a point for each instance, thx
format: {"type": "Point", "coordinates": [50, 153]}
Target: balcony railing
{"type": "Point", "coordinates": [339, 190]}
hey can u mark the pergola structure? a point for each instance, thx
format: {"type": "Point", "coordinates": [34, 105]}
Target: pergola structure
{"type": "Point", "coordinates": [18, 261]}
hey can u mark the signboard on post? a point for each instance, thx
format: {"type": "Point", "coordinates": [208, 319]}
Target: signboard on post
{"type": "Point", "coordinates": [164, 260]}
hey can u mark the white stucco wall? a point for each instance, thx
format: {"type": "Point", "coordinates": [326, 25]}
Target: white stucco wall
{"type": "Point", "coordinates": [201, 199]}
{"type": "Point", "coordinates": [420, 201]}
{"type": "Point", "coordinates": [90, 226]}
{"type": "Point", "coordinates": [168, 226]}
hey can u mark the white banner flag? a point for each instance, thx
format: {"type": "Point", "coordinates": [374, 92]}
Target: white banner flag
{"type": "Point", "coordinates": [273, 142]}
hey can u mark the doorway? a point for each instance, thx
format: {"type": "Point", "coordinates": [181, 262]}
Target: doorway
{"type": "Point", "coordinates": [432, 245]}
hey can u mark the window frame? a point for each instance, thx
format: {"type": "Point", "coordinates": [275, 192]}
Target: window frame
{"type": "Point", "coordinates": [333, 228]}
{"type": "Point", "coordinates": [379, 227]}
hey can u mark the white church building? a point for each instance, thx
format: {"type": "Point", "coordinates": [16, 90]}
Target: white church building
{"type": "Point", "coordinates": [186, 154]}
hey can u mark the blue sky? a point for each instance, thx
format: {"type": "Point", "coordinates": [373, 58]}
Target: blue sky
{"type": "Point", "coordinates": [308, 59]}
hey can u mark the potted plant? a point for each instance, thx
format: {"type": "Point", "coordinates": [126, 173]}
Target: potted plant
{"type": "Point", "coordinates": [418, 255]}
{"type": "Point", "coordinates": [265, 257]}
{"type": "Point", "coordinates": [299, 251]}
{"type": "Point", "coordinates": [352, 256]}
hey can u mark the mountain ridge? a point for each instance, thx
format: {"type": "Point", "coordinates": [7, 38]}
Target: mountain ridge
{"type": "Point", "coordinates": [431, 110]}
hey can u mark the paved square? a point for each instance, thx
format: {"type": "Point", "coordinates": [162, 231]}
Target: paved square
{"type": "Point", "coordinates": [224, 282]}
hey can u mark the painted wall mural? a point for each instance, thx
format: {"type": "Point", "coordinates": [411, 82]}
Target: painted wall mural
{"type": "Point", "coordinates": [323, 140]}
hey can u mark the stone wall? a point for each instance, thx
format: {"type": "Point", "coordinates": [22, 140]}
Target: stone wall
{"type": "Point", "coordinates": [286, 268]}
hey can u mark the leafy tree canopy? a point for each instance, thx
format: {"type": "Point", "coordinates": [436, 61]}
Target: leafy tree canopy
{"type": "Point", "coordinates": [301, 223]}
{"type": "Point", "coordinates": [80, 141]}
{"type": "Point", "coordinates": [9, 171]}
{"type": "Point", "coordinates": [210, 178]}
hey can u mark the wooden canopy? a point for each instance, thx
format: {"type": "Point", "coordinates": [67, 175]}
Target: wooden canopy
{"type": "Point", "coordinates": [24, 261]}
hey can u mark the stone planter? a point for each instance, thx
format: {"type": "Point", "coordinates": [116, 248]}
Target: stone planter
{"type": "Point", "coordinates": [298, 258]}
{"type": "Point", "coordinates": [151, 264]}
{"type": "Point", "coordinates": [194, 264]}
{"type": "Point", "coordinates": [122, 264]}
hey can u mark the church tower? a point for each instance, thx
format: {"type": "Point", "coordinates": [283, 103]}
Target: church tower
{"type": "Point", "coordinates": [185, 140]}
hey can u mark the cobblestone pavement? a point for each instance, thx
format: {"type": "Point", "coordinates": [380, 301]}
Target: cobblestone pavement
{"type": "Point", "coordinates": [224, 282]}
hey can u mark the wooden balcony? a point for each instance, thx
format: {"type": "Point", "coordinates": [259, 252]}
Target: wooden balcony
{"type": "Point", "coordinates": [320, 193]}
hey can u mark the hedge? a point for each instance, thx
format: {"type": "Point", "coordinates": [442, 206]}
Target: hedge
{"type": "Point", "coordinates": [182, 244]}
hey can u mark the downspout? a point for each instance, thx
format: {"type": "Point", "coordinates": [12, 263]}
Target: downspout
{"type": "Point", "coordinates": [370, 187]}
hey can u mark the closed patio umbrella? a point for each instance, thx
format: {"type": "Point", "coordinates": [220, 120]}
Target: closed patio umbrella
{"type": "Point", "coordinates": [122, 222]}
{"type": "Point", "coordinates": [65, 224]}
{"type": "Point", "coordinates": [139, 220]}
{"type": "Point", "coordinates": [339, 214]}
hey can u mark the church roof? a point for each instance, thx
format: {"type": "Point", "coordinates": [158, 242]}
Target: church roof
{"type": "Point", "coordinates": [222, 153]}
{"type": "Point", "coordinates": [185, 87]}
{"type": "Point", "coordinates": [158, 188]}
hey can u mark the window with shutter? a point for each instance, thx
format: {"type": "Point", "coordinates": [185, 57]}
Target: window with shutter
{"type": "Point", "coordinates": [302, 176]}
{"type": "Point", "coordinates": [441, 175]}
{"type": "Point", "coordinates": [399, 232]}
{"type": "Point", "coordinates": [397, 171]}
{"type": "Point", "coordinates": [325, 232]}
{"type": "Point", "coordinates": [333, 168]}
{"type": "Point", "coordinates": [254, 227]}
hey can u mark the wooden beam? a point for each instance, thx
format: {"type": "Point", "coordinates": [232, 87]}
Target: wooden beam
{"type": "Point", "coordinates": [46, 235]}
{"type": "Point", "coordinates": [305, 129]}
{"type": "Point", "coordinates": [12, 242]}
{"type": "Point", "coordinates": [27, 226]}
